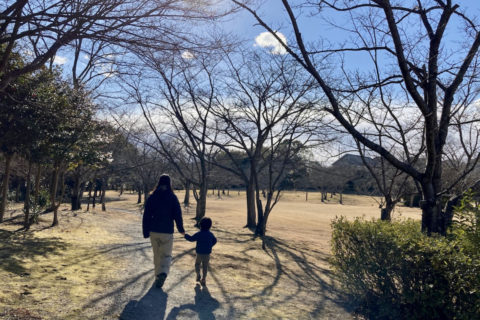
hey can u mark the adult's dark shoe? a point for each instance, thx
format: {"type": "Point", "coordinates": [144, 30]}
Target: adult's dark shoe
{"type": "Point", "coordinates": [160, 280]}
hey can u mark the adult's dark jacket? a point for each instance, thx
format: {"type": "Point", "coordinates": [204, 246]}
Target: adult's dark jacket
{"type": "Point", "coordinates": [161, 209]}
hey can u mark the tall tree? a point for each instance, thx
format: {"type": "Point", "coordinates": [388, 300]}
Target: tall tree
{"type": "Point", "coordinates": [423, 59]}
{"type": "Point", "coordinates": [266, 103]}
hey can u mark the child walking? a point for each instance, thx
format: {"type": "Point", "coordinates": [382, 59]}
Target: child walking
{"type": "Point", "coordinates": [205, 241]}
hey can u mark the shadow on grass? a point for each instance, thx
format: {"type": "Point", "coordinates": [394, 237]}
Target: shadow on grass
{"type": "Point", "coordinates": [319, 280]}
{"type": "Point", "coordinates": [17, 246]}
{"type": "Point", "coordinates": [292, 271]}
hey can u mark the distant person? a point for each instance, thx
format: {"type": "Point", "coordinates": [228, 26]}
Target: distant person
{"type": "Point", "coordinates": [161, 209]}
{"type": "Point", "coordinates": [205, 241]}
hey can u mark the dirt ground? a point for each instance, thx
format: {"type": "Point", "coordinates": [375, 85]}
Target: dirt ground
{"type": "Point", "coordinates": [96, 265]}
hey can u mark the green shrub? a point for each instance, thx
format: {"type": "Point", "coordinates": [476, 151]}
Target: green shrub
{"type": "Point", "coordinates": [466, 222]}
{"type": "Point", "coordinates": [394, 271]}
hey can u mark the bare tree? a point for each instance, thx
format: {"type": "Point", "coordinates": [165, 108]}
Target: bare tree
{"type": "Point", "coordinates": [266, 107]}
{"type": "Point", "coordinates": [40, 28]}
{"type": "Point", "coordinates": [177, 105]}
{"type": "Point", "coordinates": [428, 77]}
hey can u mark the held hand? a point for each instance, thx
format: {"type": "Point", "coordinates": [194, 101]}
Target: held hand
{"type": "Point", "coordinates": [183, 233]}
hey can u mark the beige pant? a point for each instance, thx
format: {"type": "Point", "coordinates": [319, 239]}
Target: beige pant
{"type": "Point", "coordinates": [162, 244]}
{"type": "Point", "coordinates": [202, 259]}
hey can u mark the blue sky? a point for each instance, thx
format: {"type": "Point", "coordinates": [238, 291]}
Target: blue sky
{"type": "Point", "coordinates": [312, 28]}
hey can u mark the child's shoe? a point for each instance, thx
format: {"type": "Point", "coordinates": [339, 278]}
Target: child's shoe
{"type": "Point", "coordinates": [203, 282]}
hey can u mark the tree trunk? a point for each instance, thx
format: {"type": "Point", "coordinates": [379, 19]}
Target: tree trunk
{"type": "Point", "coordinates": [26, 205]}
{"type": "Point", "coordinates": [34, 218]}
{"type": "Point", "coordinates": [145, 193]}
{"type": "Point", "coordinates": [80, 194]}
{"type": "Point", "coordinates": [260, 228]}
{"type": "Point", "coordinates": [102, 197]}
{"type": "Point", "coordinates": [386, 213]}
{"type": "Point", "coordinates": [8, 161]}
{"type": "Point", "coordinates": [17, 190]}
{"type": "Point", "coordinates": [201, 202]}
{"type": "Point", "coordinates": [251, 213]}
{"type": "Point", "coordinates": [75, 199]}
{"type": "Point", "coordinates": [432, 216]}
{"type": "Point", "coordinates": [53, 196]}
{"type": "Point", "coordinates": [321, 196]}
{"type": "Point", "coordinates": [306, 196]}
{"type": "Point", "coordinates": [186, 199]}
{"type": "Point", "coordinates": [94, 199]}
{"type": "Point", "coordinates": [341, 198]}
{"type": "Point", "coordinates": [139, 199]}
{"type": "Point", "coordinates": [37, 183]}
{"type": "Point", "coordinates": [90, 187]}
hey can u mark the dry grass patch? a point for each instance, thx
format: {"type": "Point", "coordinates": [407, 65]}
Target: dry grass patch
{"type": "Point", "coordinates": [52, 271]}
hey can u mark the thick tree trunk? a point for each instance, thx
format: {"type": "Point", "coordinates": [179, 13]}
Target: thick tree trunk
{"type": "Point", "coordinates": [412, 197]}
{"type": "Point", "coordinates": [75, 197]}
{"type": "Point", "coordinates": [341, 198]}
{"type": "Point", "coordinates": [201, 202]}
{"type": "Point", "coordinates": [26, 205]}
{"type": "Point", "coordinates": [8, 161]}
{"type": "Point", "coordinates": [433, 220]}
{"type": "Point", "coordinates": [386, 213]}
{"type": "Point", "coordinates": [186, 199]}
{"type": "Point", "coordinates": [260, 228]}
{"type": "Point", "coordinates": [251, 213]}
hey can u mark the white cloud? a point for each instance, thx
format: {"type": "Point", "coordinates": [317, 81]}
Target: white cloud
{"type": "Point", "coordinates": [267, 40]}
{"type": "Point", "coordinates": [187, 55]}
{"type": "Point", "coordinates": [86, 57]}
{"type": "Point", "coordinates": [59, 60]}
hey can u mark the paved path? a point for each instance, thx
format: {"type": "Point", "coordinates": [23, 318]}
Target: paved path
{"type": "Point", "coordinates": [135, 297]}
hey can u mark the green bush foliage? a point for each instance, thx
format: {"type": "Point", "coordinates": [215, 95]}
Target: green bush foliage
{"type": "Point", "coordinates": [394, 271]}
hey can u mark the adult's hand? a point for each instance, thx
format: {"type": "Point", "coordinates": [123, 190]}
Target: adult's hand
{"type": "Point", "coordinates": [183, 233]}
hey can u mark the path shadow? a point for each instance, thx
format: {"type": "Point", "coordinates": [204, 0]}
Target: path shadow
{"type": "Point", "coordinates": [204, 305]}
{"type": "Point", "coordinates": [151, 306]}
{"type": "Point", "coordinates": [18, 246]}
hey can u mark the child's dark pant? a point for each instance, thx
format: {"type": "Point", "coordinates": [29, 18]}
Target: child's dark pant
{"type": "Point", "coordinates": [202, 259]}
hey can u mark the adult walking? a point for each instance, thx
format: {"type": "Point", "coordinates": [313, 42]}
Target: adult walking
{"type": "Point", "coordinates": [161, 209]}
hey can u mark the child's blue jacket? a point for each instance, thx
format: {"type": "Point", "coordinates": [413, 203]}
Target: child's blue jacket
{"type": "Point", "coordinates": [205, 241]}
